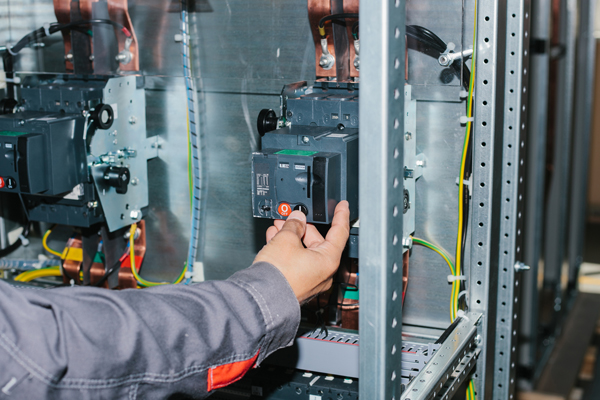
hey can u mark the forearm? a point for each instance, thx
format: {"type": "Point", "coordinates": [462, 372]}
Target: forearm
{"type": "Point", "coordinates": [143, 343]}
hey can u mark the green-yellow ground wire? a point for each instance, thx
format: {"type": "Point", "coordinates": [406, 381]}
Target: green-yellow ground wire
{"type": "Point", "coordinates": [142, 281]}
{"type": "Point", "coordinates": [446, 258]}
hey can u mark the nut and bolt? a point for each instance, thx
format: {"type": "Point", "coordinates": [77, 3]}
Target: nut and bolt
{"type": "Point", "coordinates": [135, 214]}
{"type": "Point", "coordinates": [305, 139]}
{"type": "Point", "coordinates": [132, 120]}
{"type": "Point", "coordinates": [519, 266]}
{"type": "Point", "coordinates": [134, 181]}
{"type": "Point", "coordinates": [407, 242]}
{"type": "Point", "coordinates": [408, 135]}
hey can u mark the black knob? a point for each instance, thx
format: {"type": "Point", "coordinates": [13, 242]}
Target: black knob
{"type": "Point", "coordinates": [301, 208]}
{"type": "Point", "coordinates": [267, 121]}
{"type": "Point", "coordinates": [8, 106]}
{"type": "Point", "coordinates": [103, 115]}
{"type": "Point", "coordinates": [117, 177]}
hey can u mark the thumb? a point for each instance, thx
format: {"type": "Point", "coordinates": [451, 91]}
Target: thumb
{"type": "Point", "coordinates": [296, 223]}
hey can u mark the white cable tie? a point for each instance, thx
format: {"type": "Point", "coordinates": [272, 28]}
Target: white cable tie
{"type": "Point", "coordinates": [46, 27]}
{"type": "Point", "coordinates": [24, 240]}
{"type": "Point", "coordinates": [452, 278]}
{"type": "Point", "coordinates": [9, 49]}
{"type": "Point", "coordinates": [462, 314]}
{"type": "Point", "coordinates": [463, 94]}
{"type": "Point", "coordinates": [466, 182]}
{"type": "Point", "coordinates": [464, 119]}
{"type": "Point", "coordinates": [461, 294]}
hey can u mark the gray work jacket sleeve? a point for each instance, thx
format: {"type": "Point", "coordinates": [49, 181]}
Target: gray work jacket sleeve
{"type": "Point", "coordinates": [168, 342]}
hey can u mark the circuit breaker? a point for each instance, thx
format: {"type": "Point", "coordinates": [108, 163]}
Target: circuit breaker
{"type": "Point", "coordinates": [76, 151]}
{"type": "Point", "coordinates": [311, 162]}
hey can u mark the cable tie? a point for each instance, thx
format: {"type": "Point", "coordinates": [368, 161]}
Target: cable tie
{"type": "Point", "coordinates": [463, 94]}
{"type": "Point", "coordinates": [461, 294]}
{"type": "Point", "coordinates": [9, 49]}
{"type": "Point", "coordinates": [462, 314]}
{"type": "Point", "coordinates": [464, 119]}
{"type": "Point", "coordinates": [24, 240]}
{"type": "Point", "coordinates": [466, 182]}
{"type": "Point", "coordinates": [452, 278]}
{"type": "Point", "coordinates": [46, 27]}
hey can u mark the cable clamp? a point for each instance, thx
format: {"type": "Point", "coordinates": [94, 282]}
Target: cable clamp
{"type": "Point", "coordinates": [24, 240]}
{"type": "Point", "coordinates": [464, 119]}
{"type": "Point", "coordinates": [461, 294]}
{"type": "Point", "coordinates": [453, 278]}
{"type": "Point", "coordinates": [46, 27]}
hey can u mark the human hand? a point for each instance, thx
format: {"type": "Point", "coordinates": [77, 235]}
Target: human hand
{"type": "Point", "coordinates": [309, 270]}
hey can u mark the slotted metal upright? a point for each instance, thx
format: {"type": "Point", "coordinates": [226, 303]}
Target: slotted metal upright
{"type": "Point", "coordinates": [380, 197]}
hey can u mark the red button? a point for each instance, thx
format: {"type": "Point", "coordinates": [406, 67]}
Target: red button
{"type": "Point", "coordinates": [284, 209]}
{"type": "Point", "coordinates": [1, 183]}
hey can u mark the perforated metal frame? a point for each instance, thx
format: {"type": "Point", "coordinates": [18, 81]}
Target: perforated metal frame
{"type": "Point", "coordinates": [511, 225]}
{"type": "Point", "coordinates": [380, 197]}
{"type": "Point", "coordinates": [487, 165]}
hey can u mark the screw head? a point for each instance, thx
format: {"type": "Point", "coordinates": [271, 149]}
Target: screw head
{"type": "Point", "coordinates": [408, 135]}
{"type": "Point", "coordinates": [305, 139]}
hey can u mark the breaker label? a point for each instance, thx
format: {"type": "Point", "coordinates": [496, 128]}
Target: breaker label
{"type": "Point", "coordinates": [261, 174]}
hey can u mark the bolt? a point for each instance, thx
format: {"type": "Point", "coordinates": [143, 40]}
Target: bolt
{"type": "Point", "coordinates": [114, 133]}
{"type": "Point", "coordinates": [290, 114]}
{"type": "Point", "coordinates": [134, 181]}
{"type": "Point", "coordinates": [92, 204]}
{"type": "Point", "coordinates": [420, 163]}
{"type": "Point", "coordinates": [408, 136]}
{"type": "Point", "coordinates": [115, 141]}
{"type": "Point", "coordinates": [478, 340]}
{"type": "Point", "coordinates": [444, 60]}
{"type": "Point", "coordinates": [305, 139]}
{"type": "Point", "coordinates": [69, 57]}
{"type": "Point", "coordinates": [407, 242]}
{"type": "Point", "coordinates": [91, 57]}
{"type": "Point", "coordinates": [519, 266]}
{"type": "Point", "coordinates": [22, 122]}
{"type": "Point", "coordinates": [135, 214]}
{"type": "Point", "coordinates": [322, 62]}
{"type": "Point", "coordinates": [132, 120]}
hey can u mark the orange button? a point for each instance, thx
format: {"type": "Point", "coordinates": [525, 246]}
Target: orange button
{"type": "Point", "coordinates": [1, 183]}
{"type": "Point", "coordinates": [284, 209]}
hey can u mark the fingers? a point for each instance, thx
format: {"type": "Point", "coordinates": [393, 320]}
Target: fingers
{"type": "Point", "coordinates": [279, 223]}
{"type": "Point", "coordinates": [340, 226]}
{"type": "Point", "coordinates": [271, 232]}
{"type": "Point", "coordinates": [312, 237]}
{"type": "Point", "coordinates": [295, 223]}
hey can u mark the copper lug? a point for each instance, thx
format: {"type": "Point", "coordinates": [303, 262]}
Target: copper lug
{"type": "Point", "coordinates": [327, 60]}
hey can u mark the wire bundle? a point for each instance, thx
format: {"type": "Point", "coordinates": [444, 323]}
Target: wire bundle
{"type": "Point", "coordinates": [55, 27]}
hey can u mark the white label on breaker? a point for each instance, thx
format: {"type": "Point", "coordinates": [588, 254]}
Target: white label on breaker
{"type": "Point", "coordinates": [314, 397]}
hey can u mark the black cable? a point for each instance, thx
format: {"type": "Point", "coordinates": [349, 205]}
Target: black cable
{"type": "Point", "coordinates": [56, 28]}
{"type": "Point", "coordinates": [12, 247]}
{"type": "Point", "coordinates": [108, 273]}
{"type": "Point", "coordinates": [41, 32]}
{"type": "Point", "coordinates": [335, 17]}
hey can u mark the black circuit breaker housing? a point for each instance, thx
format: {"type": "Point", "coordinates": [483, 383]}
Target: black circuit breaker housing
{"type": "Point", "coordinates": [311, 164]}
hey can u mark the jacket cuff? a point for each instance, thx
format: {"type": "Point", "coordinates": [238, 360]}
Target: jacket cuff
{"type": "Point", "coordinates": [277, 302]}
